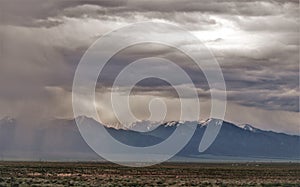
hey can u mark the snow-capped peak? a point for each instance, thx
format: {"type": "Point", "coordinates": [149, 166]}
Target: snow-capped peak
{"type": "Point", "coordinates": [212, 120]}
{"type": "Point", "coordinates": [143, 126]}
{"type": "Point", "coordinates": [249, 128]}
{"type": "Point", "coordinates": [171, 123]}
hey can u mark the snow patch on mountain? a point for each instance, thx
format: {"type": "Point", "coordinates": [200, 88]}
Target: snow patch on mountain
{"type": "Point", "coordinates": [250, 128]}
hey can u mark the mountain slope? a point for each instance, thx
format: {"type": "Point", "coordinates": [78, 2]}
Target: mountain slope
{"type": "Point", "coordinates": [235, 141]}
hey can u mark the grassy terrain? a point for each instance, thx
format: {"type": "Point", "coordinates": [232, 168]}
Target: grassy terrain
{"type": "Point", "coordinates": [168, 174]}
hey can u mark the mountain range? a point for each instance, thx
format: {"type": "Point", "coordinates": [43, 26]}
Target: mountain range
{"type": "Point", "coordinates": [60, 139]}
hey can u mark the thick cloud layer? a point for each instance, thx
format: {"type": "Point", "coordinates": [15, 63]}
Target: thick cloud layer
{"type": "Point", "coordinates": [255, 42]}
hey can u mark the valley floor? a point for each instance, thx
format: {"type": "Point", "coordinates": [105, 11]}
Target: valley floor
{"type": "Point", "coordinates": [167, 174]}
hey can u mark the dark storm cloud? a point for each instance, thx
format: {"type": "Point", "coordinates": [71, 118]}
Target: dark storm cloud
{"type": "Point", "coordinates": [272, 71]}
{"type": "Point", "coordinates": [235, 7]}
{"type": "Point", "coordinates": [32, 12]}
{"type": "Point", "coordinates": [277, 92]}
{"type": "Point", "coordinates": [37, 13]}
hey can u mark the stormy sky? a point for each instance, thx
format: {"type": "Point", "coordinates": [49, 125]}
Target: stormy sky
{"type": "Point", "coordinates": [255, 42]}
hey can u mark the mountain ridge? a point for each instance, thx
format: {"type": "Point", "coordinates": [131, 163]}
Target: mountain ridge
{"type": "Point", "coordinates": [246, 126]}
{"type": "Point", "coordinates": [61, 139]}
{"type": "Point", "coordinates": [171, 123]}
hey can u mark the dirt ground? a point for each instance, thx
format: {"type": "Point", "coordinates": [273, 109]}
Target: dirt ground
{"type": "Point", "coordinates": [167, 174]}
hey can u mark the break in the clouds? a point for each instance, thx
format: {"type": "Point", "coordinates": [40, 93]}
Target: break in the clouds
{"type": "Point", "coordinates": [255, 42]}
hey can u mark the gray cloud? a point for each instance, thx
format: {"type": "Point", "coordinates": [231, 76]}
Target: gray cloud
{"type": "Point", "coordinates": [41, 43]}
